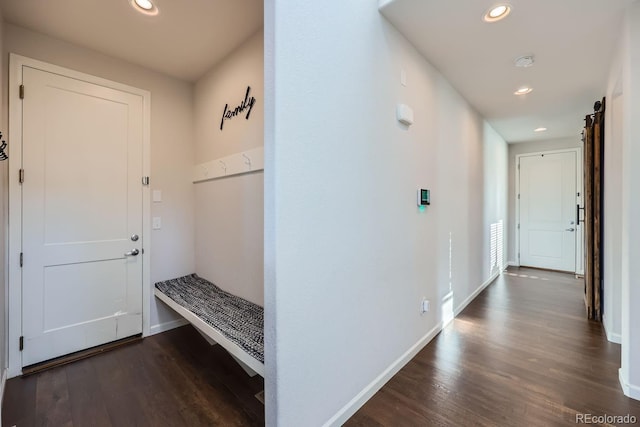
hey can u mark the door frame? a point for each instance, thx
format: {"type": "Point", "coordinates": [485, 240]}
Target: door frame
{"type": "Point", "coordinates": [14, 288]}
{"type": "Point", "coordinates": [579, 186]}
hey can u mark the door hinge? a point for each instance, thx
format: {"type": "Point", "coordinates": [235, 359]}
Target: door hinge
{"type": "Point", "coordinates": [21, 176]}
{"type": "Point", "coordinates": [145, 180]}
{"type": "Point", "coordinates": [518, 226]}
{"type": "Point", "coordinates": [21, 259]}
{"type": "Point", "coordinates": [21, 91]}
{"type": "Point", "coordinates": [518, 166]}
{"type": "Point", "coordinates": [518, 196]}
{"type": "Point", "coordinates": [21, 343]}
{"type": "Point", "coordinates": [518, 256]}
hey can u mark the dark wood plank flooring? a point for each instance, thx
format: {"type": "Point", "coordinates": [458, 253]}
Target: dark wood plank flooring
{"type": "Point", "coordinates": [170, 379]}
{"type": "Point", "coordinates": [521, 354]}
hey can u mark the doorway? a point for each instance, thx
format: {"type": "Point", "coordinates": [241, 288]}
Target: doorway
{"type": "Point", "coordinates": [548, 230]}
{"type": "Point", "coordinates": [77, 212]}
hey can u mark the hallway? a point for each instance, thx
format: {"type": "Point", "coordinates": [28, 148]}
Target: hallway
{"type": "Point", "coordinates": [522, 353]}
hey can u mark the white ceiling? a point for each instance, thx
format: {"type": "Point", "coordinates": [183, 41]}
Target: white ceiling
{"type": "Point", "coordinates": [184, 40]}
{"type": "Point", "coordinates": [573, 42]}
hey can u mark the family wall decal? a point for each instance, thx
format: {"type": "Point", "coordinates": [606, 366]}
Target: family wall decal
{"type": "Point", "coordinates": [3, 145]}
{"type": "Point", "coordinates": [247, 104]}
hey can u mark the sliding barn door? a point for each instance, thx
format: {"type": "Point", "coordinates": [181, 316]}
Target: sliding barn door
{"type": "Point", "coordinates": [593, 202]}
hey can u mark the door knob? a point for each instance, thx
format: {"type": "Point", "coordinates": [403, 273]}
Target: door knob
{"type": "Point", "coordinates": [132, 253]}
{"type": "Point", "coordinates": [570, 229]}
{"type": "Point", "coordinates": [135, 237]}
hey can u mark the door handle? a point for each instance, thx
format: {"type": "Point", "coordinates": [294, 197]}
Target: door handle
{"type": "Point", "coordinates": [570, 229]}
{"type": "Point", "coordinates": [132, 253]}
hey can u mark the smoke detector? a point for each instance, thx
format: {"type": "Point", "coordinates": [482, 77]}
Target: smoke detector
{"type": "Point", "coordinates": [524, 61]}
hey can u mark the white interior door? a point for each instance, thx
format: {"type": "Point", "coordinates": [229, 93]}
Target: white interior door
{"type": "Point", "coordinates": [81, 205]}
{"type": "Point", "coordinates": [548, 211]}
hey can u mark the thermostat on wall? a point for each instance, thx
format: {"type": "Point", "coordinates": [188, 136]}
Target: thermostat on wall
{"type": "Point", "coordinates": [424, 197]}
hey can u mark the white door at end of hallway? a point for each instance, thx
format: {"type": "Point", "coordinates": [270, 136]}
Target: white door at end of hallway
{"type": "Point", "coordinates": [81, 207]}
{"type": "Point", "coordinates": [548, 211]}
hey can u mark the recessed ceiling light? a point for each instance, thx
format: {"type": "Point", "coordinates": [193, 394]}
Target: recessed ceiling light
{"type": "Point", "coordinates": [524, 61]}
{"type": "Point", "coordinates": [497, 13]}
{"type": "Point", "coordinates": [145, 6]}
{"type": "Point", "coordinates": [523, 90]}
{"type": "Point", "coordinates": [540, 129]}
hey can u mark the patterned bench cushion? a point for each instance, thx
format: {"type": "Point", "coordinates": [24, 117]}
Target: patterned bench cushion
{"type": "Point", "coordinates": [239, 320]}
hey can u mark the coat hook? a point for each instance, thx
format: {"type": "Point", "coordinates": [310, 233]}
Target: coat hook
{"type": "Point", "coordinates": [247, 161]}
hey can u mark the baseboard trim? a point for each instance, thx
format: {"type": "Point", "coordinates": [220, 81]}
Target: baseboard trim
{"type": "Point", "coordinates": [512, 264]}
{"type": "Point", "coordinates": [3, 384]}
{"type": "Point", "coordinates": [614, 338]}
{"type": "Point", "coordinates": [477, 292]}
{"type": "Point", "coordinates": [367, 393]}
{"type": "Point", "coordinates": [167, 326]}
{"type": "Point", "coordinates": [630, 390]}
{"type": "Point", "coordinates": [611, 336]}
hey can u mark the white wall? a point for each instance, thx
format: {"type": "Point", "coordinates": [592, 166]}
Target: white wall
{"type": "Point", "coordinates": [525, 148]}
{"type": "Point", "coordinates": [172, 153]}
{"type": "Point", "coordinates": [226, 83]}
{"type": "Point", "coordinates": [612, 215]}
{"type": "Point", "coordinates": [630, 229]}
{"type": "Point", "coordinates": [229, 211]}
{"type": "Point", "coordinates": [348, 255]}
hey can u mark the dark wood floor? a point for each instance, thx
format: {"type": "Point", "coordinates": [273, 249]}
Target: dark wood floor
{"type": "Point", "coordinates": [170, 379]}
{"type": "Point", "coordinates": [521, 354]}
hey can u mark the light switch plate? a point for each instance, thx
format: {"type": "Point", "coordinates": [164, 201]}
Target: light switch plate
{"type": "Point", "coordinates": [425, 306]}
{"type": "Point", "coordinates": [157, 196]}
{"type": "Point", "coordinates": [156, 223]}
